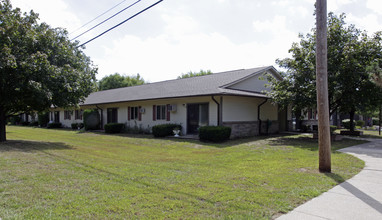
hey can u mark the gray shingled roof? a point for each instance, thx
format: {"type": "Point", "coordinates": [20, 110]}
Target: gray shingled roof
{"type": "Point", "coordinates": [213, 84]}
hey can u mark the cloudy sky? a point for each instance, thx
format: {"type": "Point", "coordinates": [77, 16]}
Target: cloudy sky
{"type": "Point", "coordinates": [178, 36]}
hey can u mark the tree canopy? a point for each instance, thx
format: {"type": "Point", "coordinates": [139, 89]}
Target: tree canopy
{"type": "Point", "coordinates": [39, 66]}
{"type": "Point", "coordinates": [193, 74]}
{"type": "Point", "coordinates": [350, 85]}
{"type": "Point", "coordinates": [117, 80]}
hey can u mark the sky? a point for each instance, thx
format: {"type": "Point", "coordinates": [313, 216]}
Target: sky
{"type": "Point", "coordinates": [178, 36]}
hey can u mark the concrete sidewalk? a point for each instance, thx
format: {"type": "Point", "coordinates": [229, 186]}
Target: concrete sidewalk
{"type": "Point", "coordinates": [357, 198]}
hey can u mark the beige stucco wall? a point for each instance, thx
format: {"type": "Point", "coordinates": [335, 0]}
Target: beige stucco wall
{"type": "Point", "coordinates": [65, 122]}
{"type": "Point", "coordinates": [236, 108]}
{"type": "Point", "coordinates": [179, 116]}
{"type": "Point", "coordinates": [255, 84]}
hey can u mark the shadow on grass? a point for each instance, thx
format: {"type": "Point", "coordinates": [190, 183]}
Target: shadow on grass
{"type": "Point", "coordinates": [308, 143]}
{"type": "Point", "coordinates": [229, 143]}
{"type": "Point", "coordinates": [28, 146]}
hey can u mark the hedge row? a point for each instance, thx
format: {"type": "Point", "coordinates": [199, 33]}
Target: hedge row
{"type": "Point", "coordinates": [164, 130]}
{"type": "Point", "coordinates": [214, 133]}
{"type": "Point", "coordinates": [112, 128]}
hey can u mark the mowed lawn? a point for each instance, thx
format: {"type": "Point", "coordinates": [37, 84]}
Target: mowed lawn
{"type": "Point", "coordinates": [50, 174]}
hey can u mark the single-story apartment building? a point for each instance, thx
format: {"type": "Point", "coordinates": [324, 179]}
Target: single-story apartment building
{"type": "Point", "coordinates": [235, 98]}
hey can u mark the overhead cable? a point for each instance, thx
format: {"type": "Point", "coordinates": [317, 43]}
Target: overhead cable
{"type": "Point", "coordinates": [120, 23]}
{"type": "Point", "coordinates": [98, 16]}
{"type": "Point", "coordinates": [106, 19]}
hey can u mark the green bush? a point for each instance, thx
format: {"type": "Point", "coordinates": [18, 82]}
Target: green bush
{"type": "Point", "coordinates": [333, 128]}
{"type": "Point", "coordinates": [114, 128]}
{"type": "Point", "coordinates": [43, 119]}
{"type": "Point", "coordinates": [91, 119]}
{"type": "Point", "coordinates": [346, 123]}
{"type": "Point", "coordinates": [25, 123]}
{"type": "Point", "coordinates": [15, 120]}
{"type": "Point", "coordinates": [305, 128]}
{"type": "Point", "coordinates": [375, 121]}
{"type": "Point", "coordinates": [80, 125]}
{"type": "Point", "coordinates": [360, 123]}
{"type": "Point", "coordinates": [164, 130]}
{"type": "Point", "coordinates": [74, 126]}
{"type": "Point", "coordinates": [34, 123]}
{"type": "Point", "coordinates": [214, 133]}
{"type": "Point", "coordinates": [54, 125]}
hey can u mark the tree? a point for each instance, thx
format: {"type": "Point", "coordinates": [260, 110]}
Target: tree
{"type": "Point", "coordinates": [118, 81]}
{"type": "Point", "coordinates": [39, 66]}
{"type": "Point", "coordinates": [193, 74]}
{"type": "Point", "coordinates": [350, 52]}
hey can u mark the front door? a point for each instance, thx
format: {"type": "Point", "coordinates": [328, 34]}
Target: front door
{"type": "Point", "coordinates": [197, 116]}
{"type": "Point", "coordinates": [57, 116]}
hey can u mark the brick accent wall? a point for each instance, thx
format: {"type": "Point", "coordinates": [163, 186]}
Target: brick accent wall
{"type": "Point", "coordinates": [243, 129]}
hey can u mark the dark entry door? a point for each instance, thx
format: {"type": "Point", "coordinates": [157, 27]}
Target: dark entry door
{"type": "Point", "coordinates": [283, 120]}
{"type": "Point", "coordinates": [197, 116]}
{"type": "Point", "coordinates": [57, 116]}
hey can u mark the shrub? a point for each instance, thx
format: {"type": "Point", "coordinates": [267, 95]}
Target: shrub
{"type": "Point", "coordinates": [214, 133]}
{"type": "Point", "coordinates": [74, 126]}
{"type": "Point", "coordinates": [375, 121]}
{"type": "Point", "coordinates": [80, 125]}
{"type": "Point", "coordinates": [91, 119]}
{"type": "Point", "coordinates": [34, 123]}
{"type": "Point", "coordinates": [15, 120]}
{"type": "Point", "coordinates": [332, 128]}
{"type": "Point", "coordinates": [346, 123]}
{"type": "Point", "coordinates": [360, 123]}
{"type": "Point", "coordinates": [114, 128]}
{"type": "Point", "coordinates": [43, 119]}
{"type": "Point", "coordinates": [25, 123]}
{"type": "Point", "coordinates": [305, 128]}
{"type": "Point", "coordinates": [54, 125]}
{"type": "Point", "coordinates": [164, 130]}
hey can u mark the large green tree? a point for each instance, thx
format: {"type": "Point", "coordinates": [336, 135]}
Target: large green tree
{"type": "Point", "coordinates": [193, 74]}
{"type": "Point", "coordinates": [117, 80]}
{"type": "Point", "coordinates": [39, 66]}
{"type": "Point", "coordinates": [350, 52]}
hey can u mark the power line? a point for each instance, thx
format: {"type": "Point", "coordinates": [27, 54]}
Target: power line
{"type": "Point", "coordinates": [106, 19]}
{"type": "Point", "coordinates": [120, 23]}
{"type": "Point", "coordinates": [98, 16]}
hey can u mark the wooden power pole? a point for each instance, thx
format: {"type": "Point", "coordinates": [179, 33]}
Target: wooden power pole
{"type": "Point", "coordinates": [322, 87]}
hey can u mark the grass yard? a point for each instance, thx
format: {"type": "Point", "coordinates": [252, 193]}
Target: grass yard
{"type": "Point", "coordinates": [50, 174]}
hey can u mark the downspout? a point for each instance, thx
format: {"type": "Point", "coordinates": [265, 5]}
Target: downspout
{"type": "Point", "coordinates": [218, 105]}
{"type": "Point", "coordinates": [101, 115]}
{"type": "Point", "coordinates": [258, 114]}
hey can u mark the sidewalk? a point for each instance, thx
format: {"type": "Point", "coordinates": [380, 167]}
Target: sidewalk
{"type": "Point", "coordinates": [357, 198]}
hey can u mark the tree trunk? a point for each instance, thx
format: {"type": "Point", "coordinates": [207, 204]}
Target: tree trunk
{"type": "Point", "coordinates": [351, 113]}
{"type": "Point", "coordinates": [2, 125]}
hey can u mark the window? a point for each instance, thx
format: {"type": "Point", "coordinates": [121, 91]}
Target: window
{"type": "Point", "coordinates": [67, 115]}
{"type": "Point", "coordinates": [134, 114]}
{"type": "Point", "coordinates": [112, 115]}
{"type": "Point", "coordinates": [78, 114]}
{"type": "Point", "coordinates": [161, 112]}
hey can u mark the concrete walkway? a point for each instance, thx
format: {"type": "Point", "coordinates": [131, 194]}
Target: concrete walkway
{"type": "Point", "coordinates": [357, 198]}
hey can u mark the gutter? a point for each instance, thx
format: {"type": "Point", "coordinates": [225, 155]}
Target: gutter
{"type": "Point", "coordinates": [101, 115]}
{"type": "Point", "coordinates": [258, 114]}
{"type": "Point", "coordinates": [219, 112]}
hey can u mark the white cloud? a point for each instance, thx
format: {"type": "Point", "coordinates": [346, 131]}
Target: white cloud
{"type": "Point", "coordinates": [333, 5]}
{"type": "Point", "coordinates": [374, 5]}
{"type": "Point", "coordinates": [54, 12]}
{"type": "Point", "coordinates": [369, 23]}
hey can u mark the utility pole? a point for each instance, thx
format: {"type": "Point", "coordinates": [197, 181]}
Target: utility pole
{"type": "Point", "coordinates": [322, 87]}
